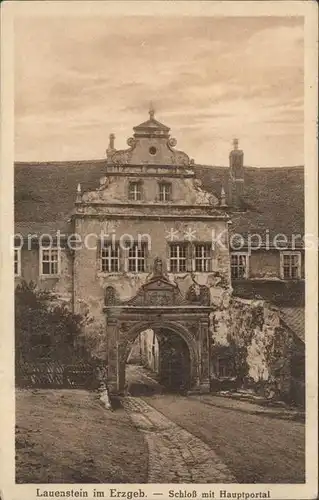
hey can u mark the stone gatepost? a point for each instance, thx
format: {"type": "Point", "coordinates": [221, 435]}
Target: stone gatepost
{"type": "Point", "coordinates": [113, 369]}
{"type": "Point", "coordinates": [204, 355]}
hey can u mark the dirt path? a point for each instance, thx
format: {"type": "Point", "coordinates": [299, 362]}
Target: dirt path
{"type": "Point", "coordinates": [175, 455]}
{"type": "Point", "coordinates": [256, 448]}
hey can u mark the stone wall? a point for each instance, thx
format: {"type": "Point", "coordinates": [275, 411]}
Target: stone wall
{"type": "Point", "coordinates": [260, 348]}
{"type": "Point", "coordinates": [247, 331]}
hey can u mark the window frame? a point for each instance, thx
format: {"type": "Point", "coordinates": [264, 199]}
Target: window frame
{"type": "Point", "coordinates": [136, 258]}
{"type": "Point", "coordinates": [224, 364]}
{"type": "Point", "coordinates": [58, 261]}
{"type": "Point", "coordinates": [161, 185]}
{"type": "Point", "coordinates": [177, 259]}
{"type": "Point", "coordinates": [17, 251]}
{"type": "Point", "coordinates": [206, 260]}
{"type": "Point", "coordinates": [110, 258]}
{"type": "Point", "coordinates": [139, 185]}
{"type": "Point", "coordinates": [290, 253]}
{"type": "Point", "coordinates": [246, 273]}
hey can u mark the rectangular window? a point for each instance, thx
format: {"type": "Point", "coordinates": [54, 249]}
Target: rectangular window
{"type": "Point", "coordinates": [202, 257]}
{"type": "Point", "coordinates": [50, 261]}
{"type": "Point", "coordinates": [177, 258]}
{"type": "Point", "coordinates": [290, 265]}
{"type": "Point", "coordinates": [137, 258]}
{"type": "Point", "coordinates": [17, 262]}
{"type": "Point", "coordinates": [135, 191]}
{"type": "Point", "coordinates": [225, 367]}
{"type": "Point", "coordinates": [165, 191]}
{"type": "Point", "coordinates": [110, 258]}
{"type": "Point", "coordinates": [239, 265]}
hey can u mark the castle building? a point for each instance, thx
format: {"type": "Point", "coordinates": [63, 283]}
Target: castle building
{"type": "Point", "coordinates": [146, 240]}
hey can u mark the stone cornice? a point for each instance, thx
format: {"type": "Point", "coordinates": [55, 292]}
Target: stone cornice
{"type": "Point", "coordinates": [155, 217]}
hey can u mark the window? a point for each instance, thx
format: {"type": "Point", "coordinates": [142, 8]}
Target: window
{"type": "Point", "coordinates": [290, 265]}
{"type": "Point", "coordinates": [50, 261]}
{"type": "Point", "coordinates": [110, 258]}
{"type": "Point", "coordinates": [239, 265]}
{"type": "Point", "coordinates": [165, 191]}
{"type": "Point", "coordinates": [177, 258]}
{"type": "Point", "coordinates": [152, 150]}
{"type": "Point", "coordinates": [135, 191]}
{"type": "Point", "coordinates": [17, 262]}
{"type": "Point", "coordinates": [202, 257]}
{"type": "Point", "coordinates": [225, 367]}
{"type": "Point", "coordinates": [137, 258]}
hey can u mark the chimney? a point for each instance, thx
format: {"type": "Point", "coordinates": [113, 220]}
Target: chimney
{"type": "Point", "coordinates": [110, 150]}
{"type": "Point", "coordinates": [236, 176]}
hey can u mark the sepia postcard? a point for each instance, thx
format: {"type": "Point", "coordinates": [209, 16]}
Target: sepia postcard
{"type": "Point", "coordinates": [159, 242]}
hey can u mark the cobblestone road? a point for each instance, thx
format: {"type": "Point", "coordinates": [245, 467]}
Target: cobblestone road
{"type": "Point", "coordinates": [175, 455]}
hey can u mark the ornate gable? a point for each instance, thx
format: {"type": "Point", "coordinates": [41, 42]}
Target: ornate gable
{"type": "Point", "coordinates": [151, 144]}
{"type": "Point", "coordinates": [158, 292]}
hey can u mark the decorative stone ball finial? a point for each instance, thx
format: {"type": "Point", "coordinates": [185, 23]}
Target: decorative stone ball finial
{"type": "Point", "coordinates": [222, 197]}
{"type": "Point", "coordinates": [235, 143]}
{"type": "Point", "coordinates": [78, 193]}
{"type": "Point", "coordinates": [151, 111]}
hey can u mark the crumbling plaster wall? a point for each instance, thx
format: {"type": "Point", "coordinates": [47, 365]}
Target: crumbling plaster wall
{"type": "Point", "coordinates": [252, 329]}
{"type": "Point", "coordinates": [90, 282]}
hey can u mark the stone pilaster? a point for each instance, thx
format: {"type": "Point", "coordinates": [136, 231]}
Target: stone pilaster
{"type": "Point", "coordinates": [205, 355]}
{"type": "Point", "coordinates": [113, 369]}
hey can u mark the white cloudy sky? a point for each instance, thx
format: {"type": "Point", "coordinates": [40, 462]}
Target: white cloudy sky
{"type": "Point", "coordinates": [210, 79]}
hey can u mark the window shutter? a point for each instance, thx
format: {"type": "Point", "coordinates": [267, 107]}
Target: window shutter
{"type": "Point", "coordinates": [214, 259]}
{"type": "Point", "coordinates": [299, 265]}
{"type": "Point", "coordinates": [247, 266]}
{"type": "Point", "coordinates": [190, 256]}
{"type": "Point", "coordinates": [99, 255]}
{"type": "Point", "coordinates": [168, 263]}
{"type": "Point", "coordinates": [281, 271]}
{"type": "Point", "coordinates": [40, 261]}
{"type": "Point", "coordinates": [124, 259]}
{"type": "Point", "coordinates": [59, 258]}
{"type": "Point", "coordinates": [148, 259]}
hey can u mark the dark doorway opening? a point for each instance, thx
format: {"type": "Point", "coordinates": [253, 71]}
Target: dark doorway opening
{"type": "Point", "coordinates": [158, 362]}
{"type": "Point", "coordinates": [174, 362]}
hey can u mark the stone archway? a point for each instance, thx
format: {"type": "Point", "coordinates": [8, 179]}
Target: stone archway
{"type": "Point", "coordinates": [166, 331]}
{"type": "Point", "coordinates": [157, 305]}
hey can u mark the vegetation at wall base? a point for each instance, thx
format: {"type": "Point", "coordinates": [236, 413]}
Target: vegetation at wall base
{"type": "Point", "coordinates": [49, 346]}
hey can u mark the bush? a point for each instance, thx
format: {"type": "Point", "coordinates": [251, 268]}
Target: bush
{"type": "Point", "coordinates": [46, 329]}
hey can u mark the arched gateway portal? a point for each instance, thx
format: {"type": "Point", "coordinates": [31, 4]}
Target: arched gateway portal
{"type": "Point", "coordinates": [159, 306]}
{"type": "Point", "coordinates": [175, 356]}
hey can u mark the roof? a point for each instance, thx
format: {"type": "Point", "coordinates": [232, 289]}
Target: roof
{"type": "Point", "coordinates": [45, 192]}
{"type": "Point", "coordinates": [151, 124]}
{"type": "Point", "coordinates": [274, 197]}
{"type": "Point", "coordinates": [294, 318]}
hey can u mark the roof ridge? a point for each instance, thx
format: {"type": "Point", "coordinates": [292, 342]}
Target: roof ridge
{"type": "Point", "coordinates": [60, 162]}
{"type": "Point", "coordinates": [150, 122]}
{"type": "Point", "coordinates": [103, 160]}
{"type": "Point", "coordinates": [252, 167]}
